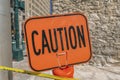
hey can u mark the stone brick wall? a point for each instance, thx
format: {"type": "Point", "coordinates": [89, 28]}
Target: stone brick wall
{"type": "Point", "coordinates": [104, 23]}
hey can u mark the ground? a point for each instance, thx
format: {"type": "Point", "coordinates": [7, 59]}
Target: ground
{"type": "Point", "coordinates": [82, 71]}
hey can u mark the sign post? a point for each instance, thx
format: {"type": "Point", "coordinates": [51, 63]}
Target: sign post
{"type": "Point", "coordinates": [48, 36]}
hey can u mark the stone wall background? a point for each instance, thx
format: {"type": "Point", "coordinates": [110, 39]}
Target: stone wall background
{"type": "Point", "coordinates": [104, 24]}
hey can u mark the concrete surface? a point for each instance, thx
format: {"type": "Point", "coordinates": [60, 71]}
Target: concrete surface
{"type": "Point", "coordinates": [82, 71]}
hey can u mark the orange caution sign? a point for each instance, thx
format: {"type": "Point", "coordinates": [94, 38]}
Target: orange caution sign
{"type": "Point", "coordinates": [46, 37]}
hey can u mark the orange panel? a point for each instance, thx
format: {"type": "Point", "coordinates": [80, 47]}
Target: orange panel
{"type": "Point", "coordinates": [48, 36]}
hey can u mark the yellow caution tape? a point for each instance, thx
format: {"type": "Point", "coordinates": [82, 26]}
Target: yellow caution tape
{"type": "Point", "coordinates": [35, 73]}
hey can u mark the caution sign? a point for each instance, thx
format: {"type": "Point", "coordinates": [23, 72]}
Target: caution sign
{"type": "Point", "coordinates": [48, 36]}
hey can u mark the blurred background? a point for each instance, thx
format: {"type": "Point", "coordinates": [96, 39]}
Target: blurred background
{"type": "Point", "coordinates": [104, 24]}
{"type": "Point", "coordinates": [103, 20]}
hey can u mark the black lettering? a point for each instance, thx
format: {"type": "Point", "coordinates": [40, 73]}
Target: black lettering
{"type": "Point", "coordinates": [60, 32]}
{"type": "Point", "coordinates": [67, 45]}
{"type": "Point", "coordinates": [73, 45]}
{"type": "Point", "coordinates": [81, 36]}
{"type": "Point", "coordinates": [33, 43]}
{"type": "Point", "coordinates": [44, 39]}
{"type": "Point", "coordinates": [55, 40]}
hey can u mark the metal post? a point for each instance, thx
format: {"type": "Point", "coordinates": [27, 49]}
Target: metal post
{"type": "Point", "coordinates": [17, 52]}
{"type": "Point", "coordinates": [16, 23]}
{"type": "Point", "coordinates": [51, 7]}
{"type": "Point", "coordinates": [5, 39]}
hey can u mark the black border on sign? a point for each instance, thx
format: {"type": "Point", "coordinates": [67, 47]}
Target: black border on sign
{"type": "Point", "coordinates": [53, 17]}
